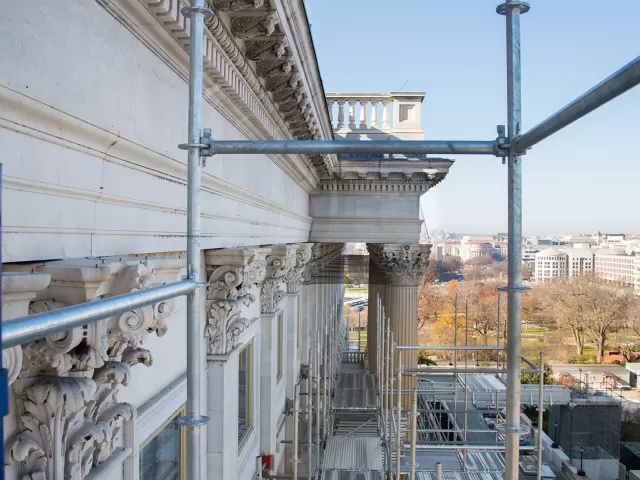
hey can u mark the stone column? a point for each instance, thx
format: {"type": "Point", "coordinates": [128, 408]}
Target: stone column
{"type": "Point", "coordinates": [375, 278]}
{"type": "Point", "coordinates": [340, 115]}
{"type": "Point", "coordinates": [403, 265]}
{"type": "Point", "coordinates": [352, 114]}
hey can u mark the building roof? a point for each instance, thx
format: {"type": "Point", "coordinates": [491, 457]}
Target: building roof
{"type": "Point", "coordinates": [551, 252]}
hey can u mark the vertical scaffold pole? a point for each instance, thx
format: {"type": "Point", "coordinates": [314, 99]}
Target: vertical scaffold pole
{"type": "Point", "coordinates": [382, 372]}
{"type": "Point", "coordinates": [310, 413]}
{"type": "Point", "coordinates": [295, 460]}
{"type": "Point", "coordinates": [466, 379]}
{"type": "Point", "coordinates": [399, 413]}
{"type": "Point", "coordinates": [512, 10]}
{"type": "Point", "coordinates": [540, 414]}
{"type": "Point", "coordinates": [414, 434]}
{"type": "Point", "coordinates": [194, 420]}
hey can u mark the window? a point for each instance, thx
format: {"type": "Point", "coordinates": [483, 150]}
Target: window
{"type": "Point", "coordinates": [245, 392]}
{"type": "Point", "coordinates": [162, 456]}
{"type": "Point", "coordinates": [280, 345]}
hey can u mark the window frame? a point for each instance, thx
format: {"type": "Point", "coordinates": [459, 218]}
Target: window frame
{"type": "Point", "coordinates": [280, 346]}
{"type": "Point", "coordinates": [182, 448]}
{"type": "Point", "coordinates": [248, 348]}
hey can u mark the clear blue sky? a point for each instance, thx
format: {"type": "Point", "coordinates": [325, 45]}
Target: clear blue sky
{"type": "Point", "coordinates": [583, 179]}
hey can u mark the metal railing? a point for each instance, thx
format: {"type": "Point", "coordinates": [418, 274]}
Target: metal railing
{"type": "Point", "coordinates": [353, 357]}
{"type": "Point", "coordinates": [201, 145]}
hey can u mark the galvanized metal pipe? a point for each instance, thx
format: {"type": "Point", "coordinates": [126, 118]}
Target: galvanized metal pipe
{"type": "Point", "coordinates": [414, 435]}
{"type": "Point", "coordinates": [498, 335]}
{"type": "Point", "coordinates": [259, 467]}
{"type": "Point", "coordinates": [295, 460]}
{"type": "Point", "coordinates": [318, 147]}
{"type": "Point", "coordinates": [431, 370]}
{"type": "Point", "coordinates": [438, 471]}
{"type": "Point", "coordinates": [540, 414]}
{"type": "Point", "coordinates": [194, 419]}
{"type": "Point", "coordinates": [616, 84]}
{"type": "Point", "coordinates": [399, 412]}
{"type": "Point", "coordinates": [34, 327]}
{"type": "Point", "coordinates": [449, 347]}
{"type": "Point", "coordinates": [310, 413]}
{"type": "Point", "coordinates": [514, 292]}
{"type": "Point", "coordinates": [318, 411]}
{"type": "Point", "coordinates": [490, 448]}
{"type": "Point", "coordinates": [466, 384]}
{"type": "Point", "coordinates": [382, 372]}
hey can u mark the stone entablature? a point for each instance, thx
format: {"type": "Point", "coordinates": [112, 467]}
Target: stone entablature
{"type": "Point", "coordinates": [69, 418]}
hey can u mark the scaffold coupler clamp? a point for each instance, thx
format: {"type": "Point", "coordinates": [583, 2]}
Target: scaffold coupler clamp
{"type": "Point", "coordinates": [503, 8]}
{"type": "Point", "coordinates": [204, 147]}
{"type": "Point", "coordinates": [500, 148]}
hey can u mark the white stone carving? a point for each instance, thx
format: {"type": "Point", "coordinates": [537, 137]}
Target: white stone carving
{"type": "Point", "coordinates": [403, 264]}
{"type": "Point", "coordinates": [225, 324]}
{"type": "Point", "coordinates": [18, 289]}
{"type": "Point", "coordinates": [229, 282]}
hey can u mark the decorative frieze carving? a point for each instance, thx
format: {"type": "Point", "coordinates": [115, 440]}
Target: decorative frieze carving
{"type": "Point", "coordinates": [402, 264]}
{"type": "Point", "coordinates": [235, 282]}
{"type": "Point", "coordinates": [274, 288]}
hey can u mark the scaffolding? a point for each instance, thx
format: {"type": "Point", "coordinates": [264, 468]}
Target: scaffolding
{"type": "Point", "coordinates": [510, 145]}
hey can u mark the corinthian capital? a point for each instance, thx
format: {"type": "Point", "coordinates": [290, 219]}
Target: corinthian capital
{"type": "Point", "coordinates": [402, 264]}
{"type": "Point", "coordinates": [280, 265]}
{"type": "Point", "coordinates": [234, 272]}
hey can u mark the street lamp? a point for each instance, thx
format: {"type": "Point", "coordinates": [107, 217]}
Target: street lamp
{"type": "Point", "coordinates": [555, 435]}
{"type": "Point", "coordinates": [581, 471]}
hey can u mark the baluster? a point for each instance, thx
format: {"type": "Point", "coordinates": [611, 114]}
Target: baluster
{"type": "Point", "coordinates": [340, 114]}
{"type": "Point", "coordinates": [352, 114]}
{"type": "Point", "coordinates": [385, 114]}
{"type": "Point", "coordinates": [374, 113]}
{"type": "Point", "coordinates": [331, 102]}
{"type": "Point", "coordinates": [363, 113]}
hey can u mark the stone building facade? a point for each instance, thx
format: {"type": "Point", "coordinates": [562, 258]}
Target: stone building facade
{"type": "Point", "coordinates": [93, 105]}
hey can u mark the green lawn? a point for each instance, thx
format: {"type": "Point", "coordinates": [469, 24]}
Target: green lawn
{"type": "Point", "coordinates": [358, 290]}
{"type": "Point", "coordinates": [353, 338]}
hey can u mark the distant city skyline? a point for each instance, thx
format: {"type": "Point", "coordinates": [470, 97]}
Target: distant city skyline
{"type": "Point", "coordinates": [582, 179]}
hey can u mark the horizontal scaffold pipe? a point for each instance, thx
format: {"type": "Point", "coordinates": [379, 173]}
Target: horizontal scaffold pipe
{"type": "Point", "coordinates": [618, 83]}
{"type": "Point", "coordinates": [493, 448]}
{"type": "Point", "coordinates": [428, 370]}
{"type": "Point", "coordinates": [449, 347]}
{"type": "Point", "coordinates": [33, 327]}
{"type": "Point", "coordinates": [318, 147]}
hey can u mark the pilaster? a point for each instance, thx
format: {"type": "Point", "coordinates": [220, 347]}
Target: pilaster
{"type": "Point", "coordinates": [233, 322]}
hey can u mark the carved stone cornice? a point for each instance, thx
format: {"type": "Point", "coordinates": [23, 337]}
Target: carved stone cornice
{"type": "Point", "coordinates": [402, 264]}
{"type": "Point", "coordinates": [235, 5]}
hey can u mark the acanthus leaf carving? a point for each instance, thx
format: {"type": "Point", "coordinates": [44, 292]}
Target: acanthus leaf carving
{"type": "Point", "coordinates": [52, 412]}
{"type": "Point", "coordinates": [225, 325]}
{"type": "Point", "coordinates": [404, 264]}
{"type": "Point", "coordinates": [271, 295]}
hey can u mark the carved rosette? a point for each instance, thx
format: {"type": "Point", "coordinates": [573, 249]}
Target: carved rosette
{"type": "Point", "coordinates": [403, 264]}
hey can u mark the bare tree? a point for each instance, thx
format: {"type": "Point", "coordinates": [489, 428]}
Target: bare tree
{"type": "Point", "coordinates": [431, 302]}
{"type": "Point", "coordinates": [591, 308]}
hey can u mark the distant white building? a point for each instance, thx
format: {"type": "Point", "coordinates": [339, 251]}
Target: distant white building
{"type": "Point", "coordinates": [551, 263]}
{"type": "Point", "coordinates": [616, 268]}
{"type": "Point", "coordinates": [580, 261]}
